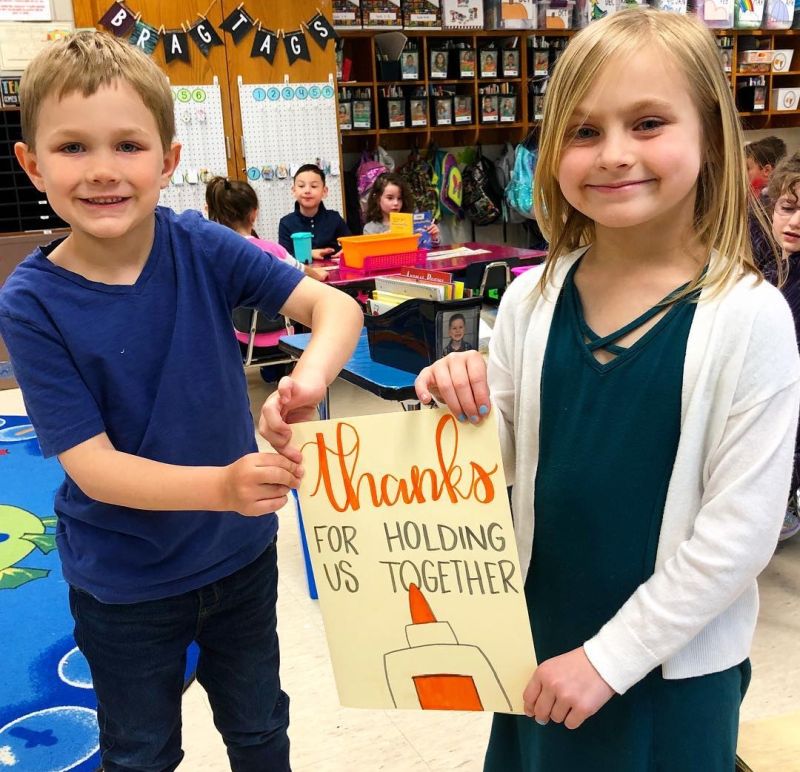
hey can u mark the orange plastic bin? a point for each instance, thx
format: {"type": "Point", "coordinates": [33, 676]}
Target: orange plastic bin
{"type": "Point", "coordinates": [357, 249]}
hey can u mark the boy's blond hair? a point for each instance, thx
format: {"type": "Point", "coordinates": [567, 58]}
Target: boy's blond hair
{"type": "Point", "coordinates": [723, 194]}
{"type": "Point", "coordinates": [84, 62]}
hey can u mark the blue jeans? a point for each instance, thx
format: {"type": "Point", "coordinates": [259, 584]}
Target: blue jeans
{"type": "Point", "coordinates": [137, 656]}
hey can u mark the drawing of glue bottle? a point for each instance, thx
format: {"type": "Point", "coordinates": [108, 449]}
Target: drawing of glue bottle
{"type": "Point", "coordinates": [436, 672]}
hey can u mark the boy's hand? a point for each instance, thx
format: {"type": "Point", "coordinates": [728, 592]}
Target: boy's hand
{"type": "Point", "coordinates": [293, 401]}
{"type": "Point", "coordinates": [259, 483]}
{"type": "Point", "coordinates": [323, 253]}
{"type": "Point", "coordinates": [458, 380]}
{"type": "Point", "coordinates": [566, 689]}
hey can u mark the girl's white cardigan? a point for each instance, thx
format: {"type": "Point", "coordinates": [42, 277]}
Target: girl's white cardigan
{"type": "Point", "coordinates": [728, 489]}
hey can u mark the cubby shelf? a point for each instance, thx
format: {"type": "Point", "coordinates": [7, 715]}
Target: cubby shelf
{"type": "Point", "coordinates": [359, 46]}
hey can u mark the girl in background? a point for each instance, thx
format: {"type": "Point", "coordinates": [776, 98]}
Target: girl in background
{"type": "Point", "coordinates": [783, 194]}
{"type": "Point", "coordinates": [390, 193]}
{"type": "Point", "coordinates": [762, 157]}
{"type": "Point", "coordinates": [235, 204]}
{"type": "Point", "coordinates": [646, 383]}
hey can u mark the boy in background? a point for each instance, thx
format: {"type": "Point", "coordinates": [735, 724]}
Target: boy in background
{"type": "Point", "coordinates": [121, 338]}
{"type": "Point", "coordinates": [311, 216]}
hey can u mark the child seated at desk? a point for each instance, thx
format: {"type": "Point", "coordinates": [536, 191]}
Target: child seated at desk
{"type": "Point", "coordinates": [234, 203]}
{"type": "Point", "coordinates": [311, 216]}
{"type": "Point", "coordinates": [390, 193]}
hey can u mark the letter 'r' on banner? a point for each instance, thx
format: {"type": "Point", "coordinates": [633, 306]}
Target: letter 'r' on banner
{"type": "Point", "coordinates": [118, 19]}
{"type": "Point", "coordinates": [238, 24]}
{"type": "Point", "coordinates": [145, 37]}
{"type": "Point", "coordinates": [296, 46]}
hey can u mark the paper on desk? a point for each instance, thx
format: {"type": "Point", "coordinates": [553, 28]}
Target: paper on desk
{"type": "Point", "coordinates": [457, 252]}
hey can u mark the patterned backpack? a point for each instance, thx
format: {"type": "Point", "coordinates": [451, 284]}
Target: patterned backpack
{"type": "Point", "coordinates": [482, 200]}
{"type": "Point", "coordinates": [447, 178]}
{"type": "Point", "coordinates": [418, 174]}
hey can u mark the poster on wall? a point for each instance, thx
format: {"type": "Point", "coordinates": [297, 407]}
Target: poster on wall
{"type": "Point", "coordinates": [25, 10]}
{"type": "Point", "coordinates": [415, 561]}
{"type": "Point", "coordinates": [19, 43]}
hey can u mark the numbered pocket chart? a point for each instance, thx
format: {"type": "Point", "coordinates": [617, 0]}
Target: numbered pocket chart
{"type": "Point", "coordinates": [285, 126]}
{"type": "Point", "coordinates": [199, 130]}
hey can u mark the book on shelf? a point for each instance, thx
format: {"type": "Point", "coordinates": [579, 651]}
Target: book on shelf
{"type": "Point", "coordinates": [411, 288]}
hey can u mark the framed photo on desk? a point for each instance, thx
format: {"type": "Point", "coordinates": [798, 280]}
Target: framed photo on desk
{"type": "Point", "coordinates": [457, 330]}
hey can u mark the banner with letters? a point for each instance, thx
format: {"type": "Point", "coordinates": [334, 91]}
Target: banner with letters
{"type": "Point", "coordinates": [122, 21]}
{"type": "Point", "coordinates": [415, 562]}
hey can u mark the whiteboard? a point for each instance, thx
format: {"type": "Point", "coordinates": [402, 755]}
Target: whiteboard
{"type": "Point", "coordinates": [200, 131]}
{"type": "Point", "coordinates": [285, 126]}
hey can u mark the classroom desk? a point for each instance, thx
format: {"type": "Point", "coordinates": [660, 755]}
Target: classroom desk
{"type": "Point", "coordinates": [382, 380]}
{"type": "Point", "coordinates": [354, 279]}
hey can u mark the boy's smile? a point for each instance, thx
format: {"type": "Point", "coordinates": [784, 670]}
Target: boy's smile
{"type": "Point", "coordinates": [100, 161]}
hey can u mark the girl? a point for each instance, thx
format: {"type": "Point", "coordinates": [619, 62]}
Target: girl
{"type": "Point", "coordinates": [647, 386]}
{"type": "Point", "coordinates": [762, 157]}
{"type": "Point", "coordinates": [783, 194]}
{"type": "Point", "coordinates": [235, 204]}
{"type": "Point", "coordinates": [390, 193]}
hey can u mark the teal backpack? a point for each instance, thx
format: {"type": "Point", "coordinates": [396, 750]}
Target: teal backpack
{"type": "Point", "coordinates": [519, 190]}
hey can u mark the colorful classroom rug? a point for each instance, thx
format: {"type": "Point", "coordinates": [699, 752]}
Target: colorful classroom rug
{"type": "Point", "coordinates": [47, 706]}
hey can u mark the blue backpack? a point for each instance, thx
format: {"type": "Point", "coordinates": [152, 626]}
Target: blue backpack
{"type": "Point", "coordinates": [519, 190]}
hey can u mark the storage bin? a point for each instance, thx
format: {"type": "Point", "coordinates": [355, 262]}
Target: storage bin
{"type": "Point", "coordinates": [715, 13]}
{"type": "Point", "coordinates": [556, 14]}
{"type": "Point", "coordinates": [785, 99]}
{"type": "Point", "coordinates": [749, 14]}
{"type": "Point", "coordinates": [778, 14]}
{"type": "Point", "coordinates": [355, 249]}
{"type": "Point", "coordinates": [782, 60]}
{"type": "Point", "coordinates": [413, 335]}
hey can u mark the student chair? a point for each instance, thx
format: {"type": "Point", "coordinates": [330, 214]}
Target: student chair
{"type": "Point", "coordinates": [496, 276]}
{"type": "Point", "coordinates": [258, 337]}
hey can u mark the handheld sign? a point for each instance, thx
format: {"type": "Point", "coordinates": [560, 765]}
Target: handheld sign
{"type": "Point", "coordinates": [412, 545]}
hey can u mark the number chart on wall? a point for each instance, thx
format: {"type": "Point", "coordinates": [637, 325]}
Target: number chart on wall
{"type": "Point", "coordinates": [200, 131]}
{"type": "Point", "coordinates": [284, 127]}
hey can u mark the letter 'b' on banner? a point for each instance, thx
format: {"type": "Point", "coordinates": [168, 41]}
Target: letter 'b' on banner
{"type": "Point", "coordinates": [118, 19]}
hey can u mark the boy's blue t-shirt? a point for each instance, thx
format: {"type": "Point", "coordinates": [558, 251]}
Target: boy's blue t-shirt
{"type": "Point", "coordinates": [156, 366]}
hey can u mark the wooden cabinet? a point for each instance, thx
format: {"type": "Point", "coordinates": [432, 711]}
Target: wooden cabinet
{"type": "Point", "coordinates": [229, 62]}
{"type": "Point", "coordinates": [366, 76]}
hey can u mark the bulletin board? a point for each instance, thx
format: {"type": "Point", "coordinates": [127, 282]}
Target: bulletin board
{"type": "Point", "coordinates": [200, 131]}
{"type": "Point", "coordinates": [284, 126]}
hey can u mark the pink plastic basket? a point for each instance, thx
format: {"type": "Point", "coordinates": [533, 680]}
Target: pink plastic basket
{"type": "Point", "coordinates": [397, 260]}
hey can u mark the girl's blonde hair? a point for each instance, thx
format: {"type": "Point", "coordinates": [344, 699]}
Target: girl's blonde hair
{"type": "Point", "coordinates": [723, 195]}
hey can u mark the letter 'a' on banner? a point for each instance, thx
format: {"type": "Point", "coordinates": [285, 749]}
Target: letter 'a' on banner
{"type": "Point", "coordinates": [415, 561]}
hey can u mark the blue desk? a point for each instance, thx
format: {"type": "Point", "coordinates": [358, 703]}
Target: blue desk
{"type": "Point", "coordinates": [382, 380]}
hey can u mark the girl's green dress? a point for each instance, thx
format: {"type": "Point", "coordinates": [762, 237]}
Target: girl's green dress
{"type": "Point", "coordinates": [608, 438]}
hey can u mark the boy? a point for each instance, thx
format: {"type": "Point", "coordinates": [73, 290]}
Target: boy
{"type": "Point", "coordinates": [121, 338]}
{"type": "Point", "coordinates": [456, 328]}
{"type": "Point", "coordinates": [311, 216]}
{"type": "Point", "coordinates": [762, 156]}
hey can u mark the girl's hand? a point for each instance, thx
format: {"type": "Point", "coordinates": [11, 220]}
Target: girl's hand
{"type": "Point", "coordinates": [320, 274]}
{"type": "Point", "coordinates": [458, 380]}
{"type": "Point", "coordinates": [293, 401]}
{"type": "Point", "coordinates": [433, 229]}
{"type": "Point", "coordinates": [566, 689]}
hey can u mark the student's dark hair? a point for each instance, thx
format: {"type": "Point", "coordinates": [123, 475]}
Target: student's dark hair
{"type": "Point", "coordinates": [456, 318]}
{"type": "Point", "coordinates": [785, 180]}
{"type": "Point", "coordinates": [766, 151]}
{"type": "Point", "coordinates": [374, 213]}
{"type": "Point", "coordinates": [310, 168]}
{"type": "Point", "coordinates": [230, 202]}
